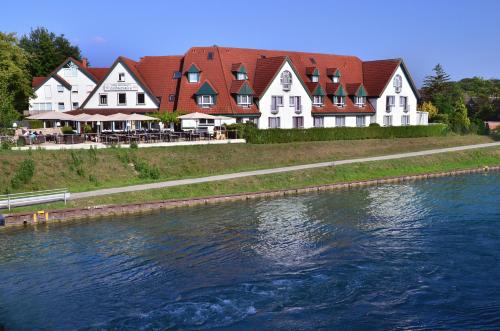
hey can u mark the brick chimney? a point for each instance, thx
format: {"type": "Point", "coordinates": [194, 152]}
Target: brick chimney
{"type": "Point", "coordinates": [85, 62]}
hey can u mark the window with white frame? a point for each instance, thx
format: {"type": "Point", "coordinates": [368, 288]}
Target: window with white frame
{"type": "Point", "coordinates": [141, 98]}
{"type": "Point", "coordinates": [121, 77]}
{"type": "Point", "coordinates": [276, 102]}
{"type": "Point", "coordinates": [71, 70]}
{"type": "Point", "coordinates": [122, 99]}
{"type": "Point", "coordinates": [360, 121]}
{"type": "Point", "coordinates": [360, 101]}
{"type": "Point", "coordinates": [398, 83]}
{"type": "Point", "coordinates": [60, 88]}
{"type": "Point", "coordinates": [298, 122]}
{"type": "Point", "coordinates": [205, 101]}
{"type": "Point", "coordinates": [75, 105]}
{"type": "Point", "coordinates": [244, 100]}
{"type": "Point", "coordinates": [390, 102]}
{"type": "Point", "coordinates": [335, 79]}
{"type": "Point", "coordinates": [403, 103]}
{"type": "Point", "coordinates": [405, 119]}
{"type": "Point", "coordinates": [314, 78]}
{"type": "Point", "coordinates": [339, 101]}
{"type": "Point", "coordinates": [274, 123]}
{"type": "Point", "coordinates": [74, 89]}
{"type": "Point", "coordinates": [193, 77]}
{"type": "Point", "coordinates": [339, 121]}
{"type": "Point", "coordinates": [319, 122]}
{"type": "Point", "coordinates": [60, 106]}
{"type": "Point", "coordinates": [241, 76]}
{"type": "Point", "coordinates": [103, 99]}
{"type": "Point", "coordinates": [286, 80]}
{"type": "Point", "coordinates": [387, 120]}
{"type": "Point", "coordinates": [317, 100]}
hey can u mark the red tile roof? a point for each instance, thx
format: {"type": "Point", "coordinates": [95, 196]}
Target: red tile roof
{"type": "Point", "coordinates": [98, 73]}
{"type": "Point", "coordinates": [376, 75]}
{"type": "Point", "coordinates": [37, 81]}
{"type": "Point", "coordinates": [110, 111]}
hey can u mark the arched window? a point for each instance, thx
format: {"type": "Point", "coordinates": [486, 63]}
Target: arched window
{"type": "Point", "coordinates": [286, 80]}
{"type": "Point", "coordinates": [398, 83]}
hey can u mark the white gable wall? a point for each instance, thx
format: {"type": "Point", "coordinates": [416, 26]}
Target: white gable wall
{"type": "Point", "coordinates": [286, 113]}
{"type": "Point", "coordinates": [397, 111]}
{"type": "Point", "coordinates": [81, 84]}
{"type": "Point", "coordinates": [111, 86]}
{"type": "Point", "coordinates": [48, 93]}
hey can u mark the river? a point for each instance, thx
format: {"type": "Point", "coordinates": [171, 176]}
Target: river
{"type": "Point", "coordinates": [420, 255]}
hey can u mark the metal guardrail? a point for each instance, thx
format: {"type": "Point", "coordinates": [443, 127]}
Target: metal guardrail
{"type": "Point", "coordinates": [33, 198]}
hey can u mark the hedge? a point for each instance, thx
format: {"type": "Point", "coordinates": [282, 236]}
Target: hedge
{"type": "Point", "coordinates": [270, 136]}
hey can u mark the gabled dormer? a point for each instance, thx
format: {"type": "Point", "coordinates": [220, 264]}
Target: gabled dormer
{"type": "Point", "coordinates": [206, 96]}
{"type": "Point", "coordinates": [240, 71]}
{"type": "Point", "coordinates": [338, 93]}
{"type": "Point", "coordinates": [334, 74]}
{"type": "Point", "coordinates": [193, 74]}
{"type": "Point", "coordinates": [313, 74]}
{"type": "Point", "coordinates": [242, 92]}
{"type": "Point", "coordinates": [318, 96]}
{"type": "Point", "coordinates": [358, 93]}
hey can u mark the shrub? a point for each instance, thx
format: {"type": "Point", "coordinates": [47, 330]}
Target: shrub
{"type": "Point", "coordinates": [134, 145]}
{"type": "Point", "coordinates": [6, 145]}
{"type": "Point", "coordinates": [145, 170]}
{"type": "Point", "coordinates": [23, 174]}
{"type": "Point", "coordinates": [67, 130]}
{"type": "Point", "coordinates": [345, 133]}
{"type": "Point", "coordinates": [478, 126]}
{"type": "Point", "coordinates": [244, 130]}
{"type": "Point", "coordinates": [87, 128]}
{"type": "Point", "coordinates": [35, 124]}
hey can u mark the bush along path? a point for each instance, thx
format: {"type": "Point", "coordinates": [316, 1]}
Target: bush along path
{"type": "Point", "coordinates": [142, 187]}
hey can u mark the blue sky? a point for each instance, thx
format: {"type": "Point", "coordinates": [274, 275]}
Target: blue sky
{"type": "Point", "coordinates": [464, 36]}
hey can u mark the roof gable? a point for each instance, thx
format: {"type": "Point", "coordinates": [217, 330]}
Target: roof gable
{"type": "Point", "coordinates": [206, 89]}
{"type": "Point", "coordinates": [356, 89]}
{"type": "Point", "coordinates": [193, 69]}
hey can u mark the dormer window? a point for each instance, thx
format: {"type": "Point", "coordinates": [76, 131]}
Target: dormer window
{"type": "Point", "coordinates": [244, 100]}
{"type": "Point", "coordinates": [193, 74]}
{"type": "Point", "coordinates": [205, 101]}
{"type": "Point", "coordinates": [315, 78]}
{"type": "Point", "coordinates": [121, 77]}
{"type": "Point", "coordinates": [335, 74]}
{"type": "Point", "coordinates": [335, 79]}
{"type": "Point", "coordinates": [286, 80]}
{"type": "Point", "coordinates": [241, 76]}
{"type": "Point", "coordinates": [339, 100]}
{"type": "Point", "coordinates": [318, 100]}
{"type": "Point", "coordinates": [360, 101]}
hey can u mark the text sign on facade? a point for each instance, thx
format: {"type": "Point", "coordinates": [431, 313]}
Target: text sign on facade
{"type": "Point", "coordinates": [120, 87]}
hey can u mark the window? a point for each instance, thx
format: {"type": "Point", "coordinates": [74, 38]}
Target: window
{"type": "Point", "coordinates": [205, 101]}
{"type": "Point", "coordinates": [171, 98]}
{"type": "Point", "coordinates": [75, 105]}
{"type": "Point", "coordinates": [103, 99]}
{"type": "Point", "coordinates": [210, 55]}
{"type": "Point", "coordinates": [387, 120]}
{"type": "Point", "coordinates": [71, 71]}
{"type": "Point", "coordinates": [335, 79]}
{"type": "Point", "coordinates": [398, 83]}
{"type": "Point", "coordinates": [60, 88]}
{"type": "Point", "coordinates": [313, 61]}
{"type": "Point", "coordinates": [318, 100]}
{"type": "Point", "coordinates": [405, 120]}
{"type": "Point", "coordinates": [295, 103]}
{"type": "Point", "coordinates": [319, 122]}
{"type": "Point", "coordinates": [193, 77]}
{"type": "Point", "coordinates": [360, 101]}
{"type": "Point", "coordinates": [74, 89]}
{"type": "Point", "coordinates": [276, 102]}
{"type": "Point", "coordinates": [241, 76]}
{"type": "Point", "coordinates": [403, 102]}
{"type": "Point", "coordinates": [390, 101]}
{"type": "Point", "coordinates": [48, 106]}
{"type": "Point", "coordinates": [122, 99]}
{"type": "Point", "coordinates": [298, 122]}
{"type": "Point", "coordinates": [177, 75]}
{"type": "Point", "coordinates": [244, 100]}
{"type": "Point", "coordinates": [339, 101]}
{"type": "Point", "coordinates": [286, 80]}
{"type": "Point", "coordinates": [121, 77]}
{"type": "Point", "coordinates": [48, 91]}
{"type": "Point", "coordinates": [141, 99]}
{"type": "Point", "coordinates": [360, 121]}
{"type": "Point", "coordinates": [60, 106]}
{"type": "Point", "coordinates": [339, 121]}
{"type": "Point", "coordinates": [204, 121]}
{"type": "Point", "coordinates": [274, 122]}
{"type": "Point", "coordinates": [314, 78]}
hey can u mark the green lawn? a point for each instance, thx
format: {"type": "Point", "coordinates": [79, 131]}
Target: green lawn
{"type": "Point", "coordinates": [362, 171]}
{"type": "Point", "coordinates": [84, 170]}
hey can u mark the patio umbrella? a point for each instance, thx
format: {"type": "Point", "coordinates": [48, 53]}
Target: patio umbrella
{"type": "Point", "coordinates": [197, 116]}
{"type": "Point", "coordinates": [52, 115]}
{"type": "Point", "coordinates": [140, 117]}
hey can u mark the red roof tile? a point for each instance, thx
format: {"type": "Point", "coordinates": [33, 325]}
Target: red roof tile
{"type": "Point", "coordinates": [37, 81]}
{"type": "Point", "coordinates": [98, 73]}
{"type": "Point", "coordinates": [376, 75]}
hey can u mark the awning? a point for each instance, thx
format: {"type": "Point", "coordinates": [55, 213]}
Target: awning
{"type": "Point", "coordinates": [52, 115]}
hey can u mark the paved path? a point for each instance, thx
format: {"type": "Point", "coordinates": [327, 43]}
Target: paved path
{"type": "Point", "coordinates": [179, 182]}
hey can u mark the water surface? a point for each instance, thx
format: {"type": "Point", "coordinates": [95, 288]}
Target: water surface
{"type": "Point", "coordinates": [422, 255]}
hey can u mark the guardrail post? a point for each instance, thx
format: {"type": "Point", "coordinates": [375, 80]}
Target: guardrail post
{"type": "Point", "coordinates": [65, 191]}
{"type": "Point", "coordinates": [8, 200]}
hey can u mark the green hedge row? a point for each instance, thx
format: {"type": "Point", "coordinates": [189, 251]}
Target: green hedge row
{"type": "Point", "coordinates": [255, 136]}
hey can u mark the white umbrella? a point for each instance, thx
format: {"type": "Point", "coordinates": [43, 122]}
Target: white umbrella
{"type": "Point", "coordinates": [118, 117]}
{"type": "Point", "coordinates": [140, 117]}
{"type": "Point", "coordinates": [52, 115]}
{"type": "Point", "coordinates": [197, 116]}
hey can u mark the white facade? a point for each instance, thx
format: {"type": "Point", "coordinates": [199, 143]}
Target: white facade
{"type": "Point", "coordinates": [285, 113]}
{"type": "Point", "coordinates": [119, 82]}
{"type": "Point", "coordinates": [396, 112]}
{"type": "Point", "coordinates": [53, 93]}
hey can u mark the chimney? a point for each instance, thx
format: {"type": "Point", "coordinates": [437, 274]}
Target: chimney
{"type": "Point", "coordinates": [85, 62]}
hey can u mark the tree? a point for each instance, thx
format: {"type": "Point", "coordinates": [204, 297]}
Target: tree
{"type": "Point", "coordinates": [427, 106]}
{"type": "Point", "coordinates": [459, 121]}
{"type": "Point", "coordinates": [436, 83]}
{"type": "Point", "coordinates": [15, 80]}
{"type": "Point", "coordinates": [47, 50]}
{"type": "Point", "coordinates": [167, 117]}
{"type": "Point", "coordinates": [8, 113]}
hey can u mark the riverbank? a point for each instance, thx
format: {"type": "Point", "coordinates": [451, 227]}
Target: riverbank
{"type": "Point", "coordinates": [87, 170]}
{"type": "Point", "coordinates": [343, 176]}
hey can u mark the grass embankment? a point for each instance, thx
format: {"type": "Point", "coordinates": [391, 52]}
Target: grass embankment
{"type": "Point", "coordinates": [344, 173]}
{"type": "Point", "coordinates": [83, 170]}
